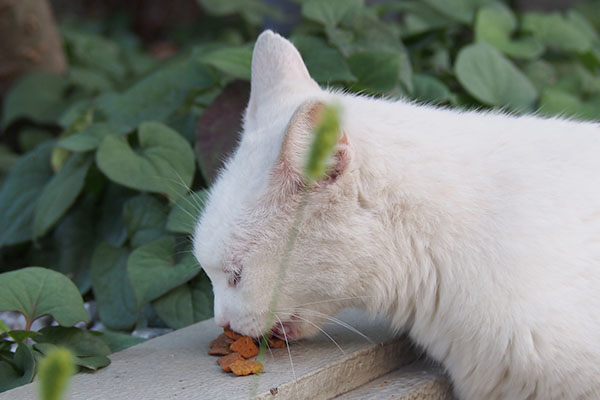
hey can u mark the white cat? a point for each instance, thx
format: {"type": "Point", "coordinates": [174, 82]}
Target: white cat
{"type": "Point", "coordinates": [477, 233]}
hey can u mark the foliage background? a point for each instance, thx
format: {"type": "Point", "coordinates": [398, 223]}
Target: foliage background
{"type": "Point", "coordinates": [103, 170]}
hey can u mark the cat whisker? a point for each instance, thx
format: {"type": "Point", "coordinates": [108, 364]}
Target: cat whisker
{"type": "Point", "coordinates": [322, 331]}
{"type": "Point", "coordinates": [287, 346]}
{"type": "Point", "coordinates": [336, 321]}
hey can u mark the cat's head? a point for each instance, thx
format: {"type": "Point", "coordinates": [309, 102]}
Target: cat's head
{"type": "Point", "coordinates": [242, 237]}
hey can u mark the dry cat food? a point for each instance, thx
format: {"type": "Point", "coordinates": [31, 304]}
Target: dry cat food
{"type": "Point", "coordinates": [235, 349]}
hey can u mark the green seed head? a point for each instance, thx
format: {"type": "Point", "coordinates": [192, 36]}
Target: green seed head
{"type": "Point", "coordinates": [326, 135]}
{"type": "Point", "coordinates": [54, 373]}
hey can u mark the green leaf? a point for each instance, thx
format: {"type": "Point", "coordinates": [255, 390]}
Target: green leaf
{"type": "Point", "coordinates": [3, 327]}
{"type": "Point", "coordinates": [554, 101]}
{"type": "Point", "coordinates": [94, 52]}
{"type": "Point", "coordinates": [153, 271]}
{"type": "Point", "coordinates": [145, 219]}
{"type": "Point", "coordinates": [254, 11]}
{"type": "Point", "coordinates": [490, 77]}
{"type": "Point", "coordinates": [163, 164]}
{"type": "Point", "coordinates": [185, 213]}
{"type": "Point", "coordinates": [111, 227]}
{"type": "Point", "coordinates": [20, 335]}
{"type": "Point", "coordinates": [88, 138]}
{"type": "Point", "coordinates": [114, 295]}
{"type": "Point", "coordinates": [235, 61]}
{"type": "Point", "coordinates": [558, 32]}
{"type": "Point", "coordinates": [32, 137]}
{"type": "Point", "coordinates": [330, 12]}
{"type": "Point", "coordinates": [541, 73]}
{"type": "Point", "coordinates": [55, 370]}
{"type": "Point", "coordinates": [155, 97]}
{"type": "Point", "coordinates": [186, 304]}
{"type": "Point", "coordinates": [495, 24]}
{"type": "Point", "coordinates": [324, 63]}
{"type": "Point", "coordinates": [36, 291]}
{"type": "Point", "coordinates": [60, 193]}
{"type": "Point", "coordinates": [90, 79]}
{"type": "Point", "coordinates": [20, 193]}
{"type": "Point", "coordinates": [88, 348]}
{"type": "Point", "coordinates": [80, 342]}
{"type": "Point", "coordinates": [430, 89]}
{"type": "Point", "coordinates": [120, 341]}
{"type": "Point", "coordinates": [460, 10]}
{"type": "Point", "coordinates": [20, 372]}
{"type": "Point", "coordinates": [44, 107]}
{"type": "Point", "coordinates": [73, 238]}
{"type": "Point", "coordinates": [377, 71]}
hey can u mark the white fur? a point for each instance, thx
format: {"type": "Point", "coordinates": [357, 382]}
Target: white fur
{"type": "Point", "coordinates": [477, 233]}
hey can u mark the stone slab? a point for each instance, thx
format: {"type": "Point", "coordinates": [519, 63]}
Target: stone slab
{"type": "Point", "coordinates": [421, 380]}
{"type": "Point", "coordinates": [177, 366]}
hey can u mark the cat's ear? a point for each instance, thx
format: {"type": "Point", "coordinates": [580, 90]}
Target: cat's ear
{"type": "Point", "coordinates": [292, 159]}
{"type": "Point", "coordinates": [276, 64]}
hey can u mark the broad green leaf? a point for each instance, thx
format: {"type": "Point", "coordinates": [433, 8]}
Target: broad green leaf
{"type": "Point", "coordinates": [541, 73]}
{"type": "Point", "coordinates": [418, 17]}
{"type": "Point", "coordinates": [44, 107]}
{"type": "Point", "coordinates": [254, 11]}
{"type": "Point", "coordinates": [90, 79]}
{"type": "Point", "coordinates": [185, 213]}
{"type": "Point", "coordinates": [235, 61]}
{"type": "Point", "coordinates": [19, 335]}
{"type": "Point", "coordinates": [120, 341]}
{"type": "Point", "coordinates": [113, 293]}
{"type": "Point", "coordinates": [60, 193]}
{"type": "Point", "coordinates": [156, 96]}
{"type": "Point", "coordinates": [55, 370]}
{"type": "Point", "coordinates": [557, 31]}
{"type": "Point", "coordinates": [324, 63]}
{"type": "Point", "coordinates": [24, 363]}
{"type": "Point", "coordinates": [490, 77]}
{"type": "Point", "coordinates": [554, 101]}
{"type": "Point", "coordinates": [330, 12]}
{"type": "Point", "coordinates": [32, 137]}
{"type": "Point", "coordinates": [7, 159]}
{"type": "Point", "coordinates": [88, 138]}
{"type": "Point", "coordinates": [3, 327]}
{"type": "Point", "coordinates": [20, 192]}
{"type": "Point", "coordinates": [460, 10]}
{"type": "Point", "coordinates": [153, 271]}
{"type": "Point", "coordinates": [145, 218]}
{"type": "Point", "coordinates": [80, 342]}
{"type": "Point", "coordinates": [111, 227]}
{"type": "Point", "coordinates": [94, 52]}
{"type": "Point", "coordinates": [495, 24]}
{"type": "Point", "coordinates": [74, 236]}
{"type": "Point", "coordinates": [430, 89]}
{"type": "Point", "coordinates": [36, 291]}
{"type": "Point", "coordinates": [186, 304]}
{"type": "Point", "coordinates": [164, 162]}
{"type": "Point", "coordinates": [377, 71]}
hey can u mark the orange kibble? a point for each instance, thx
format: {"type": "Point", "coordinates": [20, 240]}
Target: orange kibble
{"type": "Point", "coordinates": [226, 361]}
{"type": "Point", "coordinates": [245, 346]}
{"type": "Point", "coordinates": [231, 334]}
{"type": "Point", "coordinates": [246, 367]}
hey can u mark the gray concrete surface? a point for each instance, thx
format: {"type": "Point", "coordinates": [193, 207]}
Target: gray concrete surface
{"type": "Point", "coordinates": [177, 366]}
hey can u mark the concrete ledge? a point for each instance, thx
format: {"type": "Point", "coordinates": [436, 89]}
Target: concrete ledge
{"type": "Point", "coordinates": [177, 366]}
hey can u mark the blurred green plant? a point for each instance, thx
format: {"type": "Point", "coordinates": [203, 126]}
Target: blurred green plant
{"type": "Point", "coordinates": [104, 171]}
{"type": "Point", "coordinates": [55, 370]}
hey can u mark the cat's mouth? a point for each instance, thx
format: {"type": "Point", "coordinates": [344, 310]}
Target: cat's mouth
{"type": "Point", "coordinates": [288, 330]}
